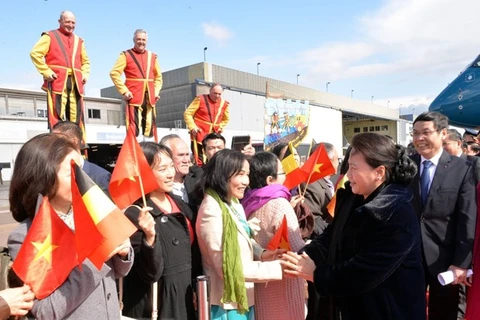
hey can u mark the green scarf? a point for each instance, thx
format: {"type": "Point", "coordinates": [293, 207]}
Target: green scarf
{"type": "Point", "coordinates": [233, 278]}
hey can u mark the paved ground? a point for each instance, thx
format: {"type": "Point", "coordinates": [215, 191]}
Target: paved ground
{"type": "Point", "coordinates": [7, 223]}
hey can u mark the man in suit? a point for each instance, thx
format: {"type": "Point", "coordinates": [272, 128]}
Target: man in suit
{"type": "Point", "coordinates": [445, 201]}
{"type": "Point", "coordinates": [453, 144]}
{"type": "Point", "coordinates": [73, 132]}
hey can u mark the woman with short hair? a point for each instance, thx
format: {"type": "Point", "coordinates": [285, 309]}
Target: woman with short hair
{"type": "Point", "coordinates": [267, 200]}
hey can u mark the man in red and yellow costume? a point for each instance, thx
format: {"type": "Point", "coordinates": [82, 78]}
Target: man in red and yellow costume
{"type": "Point", "coordinates": [62, 60]}
{"type": "Point", "coordinates": [143, 82]}
{"type": "Point", "coordinates": [206, 114]}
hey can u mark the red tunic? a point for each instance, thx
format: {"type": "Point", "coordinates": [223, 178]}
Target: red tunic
{"type": "Point", "coordinates": [65, 53]}
{"type": "Point", "coordinates": [136, 75]}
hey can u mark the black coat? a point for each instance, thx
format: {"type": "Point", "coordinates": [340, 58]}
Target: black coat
{"type": "Point", "coordinates": [172, 261]}
{"type": "Point", "coordinates": [369, 258]}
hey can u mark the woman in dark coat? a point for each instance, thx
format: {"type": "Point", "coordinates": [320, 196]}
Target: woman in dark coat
{"type": "Point", "coordinates": [368, 261]}
{"type": "Point", "coordinates": [165, 247]}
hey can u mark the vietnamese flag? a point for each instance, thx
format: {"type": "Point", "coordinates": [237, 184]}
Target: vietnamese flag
{"type": "Point", "coordinates": [46, 257]}
{"type": "Point", "coordinates": [84, 224]}
{"type": "Point", "coordinates": [293, 174]}
{"type": "Point", "coordinates": [318, 165]}
{"type": "Point", "coordinates": [340, 185]}
{"type": "Point", "coordinates": [280, 238]}
{"type": "Point", "coordinates": [112, 224]}
{"type": "Point", "coordinates": [132, 176]}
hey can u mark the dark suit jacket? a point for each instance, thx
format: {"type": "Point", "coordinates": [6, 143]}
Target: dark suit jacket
{"type": "Point", "coordinates": [317, 197]}
{"type": "Point", "coordinates": [99, 175]}
{"type": "Point", "coordinates": [448, 219]}
{"type": "Point", "coordinates": [192, 186]}
{"type": "Point", "coordinates": [476, 164]}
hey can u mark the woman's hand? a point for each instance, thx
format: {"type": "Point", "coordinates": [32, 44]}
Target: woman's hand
{"type": "Point", "coordinates": [295, 200]}
{"type": "Point", "coordinates": [122, 250]}
{"type": "Point", "coordinates": [298, 265]}
{"type": "Point", "coordinates": [147, 225]}
{"type": "Point", "coordinates": [19, 300]}
{"type": "Point", "coordinates": [270, 255]}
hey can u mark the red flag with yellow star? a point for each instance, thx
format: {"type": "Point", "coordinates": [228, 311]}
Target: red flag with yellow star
{"type": "Point", "coordinates": [47, 255]}
{"type": "Point", "coordinates": [317, 166]}
{"type": "Point", "coordinates": [280, 238]}
{"type": "Point", "coordinates": [132, 176]}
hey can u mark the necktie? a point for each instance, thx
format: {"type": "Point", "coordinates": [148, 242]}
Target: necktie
{"type": "Point", "coordinates": [425, 180]}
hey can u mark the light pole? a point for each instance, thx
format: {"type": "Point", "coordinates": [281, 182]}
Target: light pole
{"type": "Point", "coordinates": [371, 99]}
{"type": "Point", "coordinates": [298, 75]}
{"type": "Point", "coordinates": [388, 104]}
{"type": "Point", "coordinates": [258, 72]}
{"type": "Point", "coordinates": [326, 86]}
{"type": "Point", "coordinates": [351, 93]}
{"type": "Point", "coordinates": [205, 54]}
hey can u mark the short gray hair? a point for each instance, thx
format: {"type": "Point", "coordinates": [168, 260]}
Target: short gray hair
{"type": "Point", "coordinates": [139, 31]}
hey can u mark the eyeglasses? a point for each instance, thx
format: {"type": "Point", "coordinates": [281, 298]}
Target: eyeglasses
{"type": "Point", "coordinates": [425, 133]}
{"type": "Point", "coordinates": [280, 173]}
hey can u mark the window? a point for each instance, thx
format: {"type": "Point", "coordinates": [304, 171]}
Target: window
{"type": "Point", "coordinates": [365, 129]}
{"type": "Point", "coordinates": [356, 130]}
{"type": "Point", "coordinates": [385, 127]}
{"type": "Point", "coordinates": [377, 128]}
{"type": "Point", "coordinates": [42, 113]}
{"type": "Point", "coordinates": [372, 128]}
{"type": "Point", "coordinates": [94, 114]}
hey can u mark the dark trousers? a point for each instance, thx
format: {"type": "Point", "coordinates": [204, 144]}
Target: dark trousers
{"type": "Point", "coordinates": [445, 302]}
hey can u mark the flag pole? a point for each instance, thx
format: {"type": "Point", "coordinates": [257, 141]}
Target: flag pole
{"type": "Point", "coordinates": [311, 172]}
{"type": "Point", "coordinates": [155, 284]}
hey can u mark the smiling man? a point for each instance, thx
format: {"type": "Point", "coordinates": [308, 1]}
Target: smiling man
{"type": "Point", "coordinates": [60, 57]}
{"type": "Point", "coordinates": [444, 199]}
{"type": "Point", "coordinates": [143, 82]}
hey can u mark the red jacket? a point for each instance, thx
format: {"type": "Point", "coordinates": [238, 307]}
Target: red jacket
{"type": "Point", "coordinates": [140, 77]}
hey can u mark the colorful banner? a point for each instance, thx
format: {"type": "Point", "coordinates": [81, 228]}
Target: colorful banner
{"type": "Point", "coordinates": [285, 120]}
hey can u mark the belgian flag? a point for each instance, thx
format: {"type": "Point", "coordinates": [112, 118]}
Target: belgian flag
{"type": "Point", "coordinates": [108, 221]}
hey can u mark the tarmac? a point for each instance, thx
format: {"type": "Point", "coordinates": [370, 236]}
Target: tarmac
{"type": "Point", "coordinates": [7, 223]}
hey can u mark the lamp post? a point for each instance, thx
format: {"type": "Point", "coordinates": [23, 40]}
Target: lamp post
{"type": "Point", "coordinates": [371, 99]}
{"type": "Point", "coordinates": [258, 72]}
{"type": "Point", "coordinates": [298, 75]}
{"type": "Point", "coordinates": [388, 104]}
{"type": "Point", "coordinates": [351, 93]}
{"type": "Point", "coordinates": [326, 86]}
{"type": "Point", "coordinates": [205, 54]}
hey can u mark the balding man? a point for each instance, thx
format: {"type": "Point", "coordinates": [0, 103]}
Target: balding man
{"type": "Point", "coordinates": [143, 82]}
{"type": "Point", "coordinates": [206, 114]}
{"type": "Point", "coordinates": [186, 176]}
{"type": "Point", "coordinates": [62, 60]}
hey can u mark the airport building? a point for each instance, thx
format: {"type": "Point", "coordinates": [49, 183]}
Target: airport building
{"type": "Point", "coordinates": [333, 118]}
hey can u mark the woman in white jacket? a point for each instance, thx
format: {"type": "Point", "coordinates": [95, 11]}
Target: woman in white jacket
{"type": "Point", "coordinates": [228, 253]}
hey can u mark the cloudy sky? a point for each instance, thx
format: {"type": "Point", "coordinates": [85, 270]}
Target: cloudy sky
{"type": "Point", "coordinates": [401, 52]}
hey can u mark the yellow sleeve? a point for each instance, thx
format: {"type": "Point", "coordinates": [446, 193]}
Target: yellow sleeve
{"type": "Point", "coordinates": [190, 112]}
{"type": "Point", "coordinates": [226, 116]}
{"type": "Point", "coordinates": [38, 53]}
{"type": "Point", "coordinates": [158, 78]}
{"type": "Point", "coordinates": [116, 74]}
{"type": "Point", "coordinates": [85, 63]}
